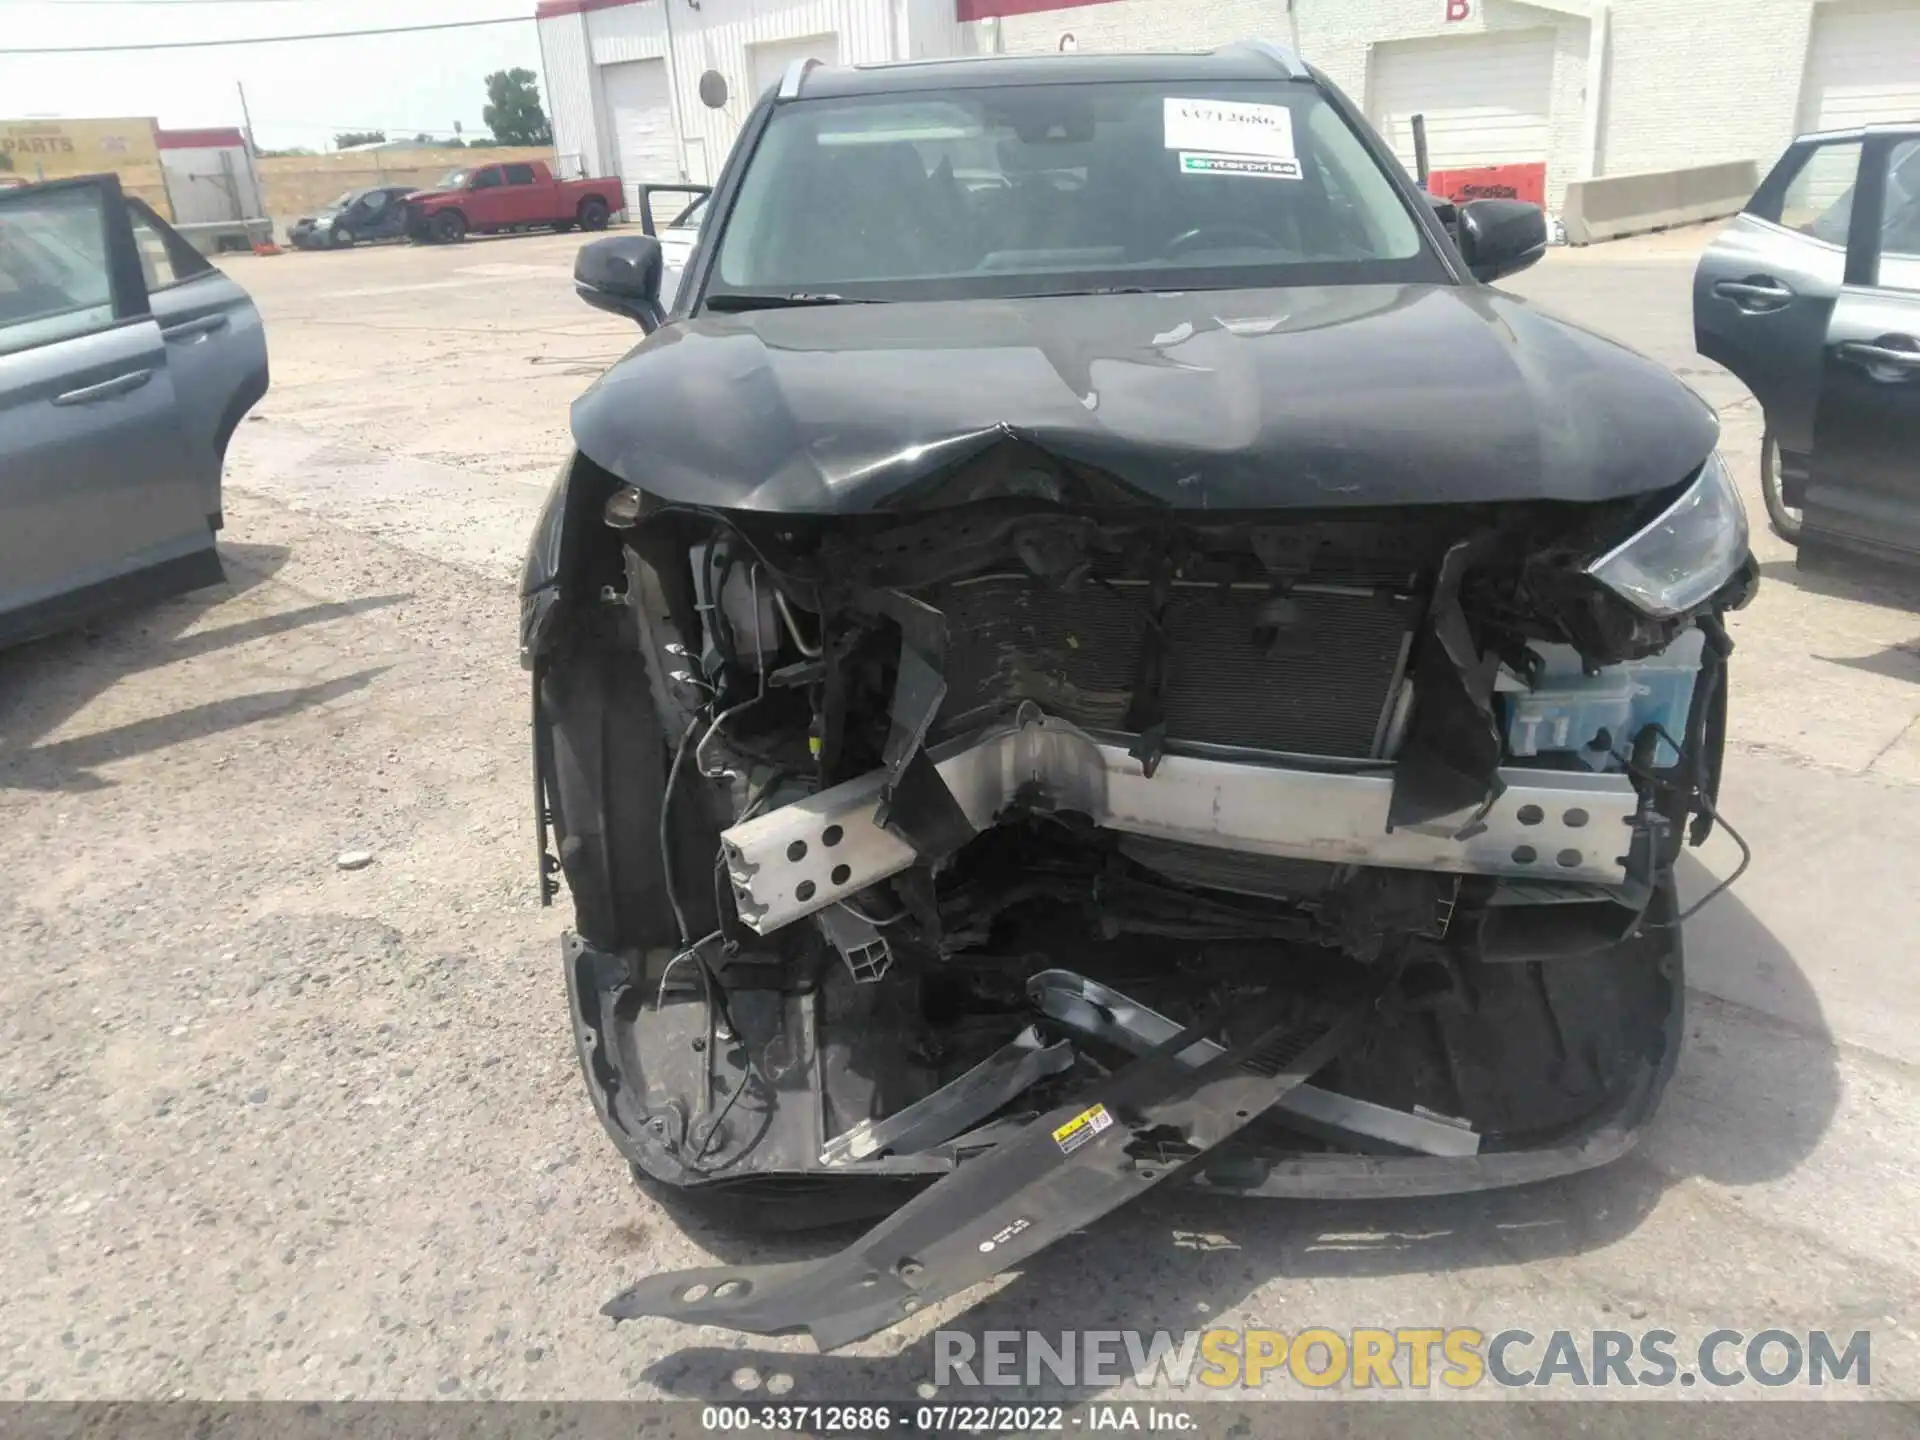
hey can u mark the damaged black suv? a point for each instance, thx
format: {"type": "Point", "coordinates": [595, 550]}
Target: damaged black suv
{"type": "Point", "coordinates": [1086, 646]}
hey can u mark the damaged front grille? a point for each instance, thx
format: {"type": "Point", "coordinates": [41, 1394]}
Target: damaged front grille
{"type": "Point", "coordinates": [1244, 707]}
{"type": "Point", "coordinates": [1312, 671]}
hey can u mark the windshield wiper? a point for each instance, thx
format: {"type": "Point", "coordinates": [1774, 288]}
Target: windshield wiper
{"type": "Point", "coordinates": [734, 300]}
{"type": "Point", "coordinates": [1086, 290]}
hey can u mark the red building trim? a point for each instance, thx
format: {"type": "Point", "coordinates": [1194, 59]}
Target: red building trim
{"type": "Point", "coordinates": [994, 9]}
{"type": "Point", "coordinates": [963, 9]}
{"type": "Point", "coordinates": [219, 139]}
{"type": "Point", "coordinates": [547, 9]}
{"type": "Point", "coordinates": [1492, 182]}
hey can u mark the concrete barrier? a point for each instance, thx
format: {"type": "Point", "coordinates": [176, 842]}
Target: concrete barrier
{"type": "Point", "coordinates": [1609, 206]}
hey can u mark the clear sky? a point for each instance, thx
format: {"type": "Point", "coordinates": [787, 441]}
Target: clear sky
{"type": "Point", "coordinates": [299, 93]}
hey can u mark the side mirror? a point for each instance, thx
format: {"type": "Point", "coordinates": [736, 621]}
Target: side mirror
{"type": "Point", "coordinates": [621, 274]}
{"type": "Point", "coordinates": [1501, 237]}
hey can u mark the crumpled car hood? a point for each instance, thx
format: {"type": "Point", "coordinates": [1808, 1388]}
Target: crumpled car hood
{"type": "Point", "coordinates": [1223, 400]}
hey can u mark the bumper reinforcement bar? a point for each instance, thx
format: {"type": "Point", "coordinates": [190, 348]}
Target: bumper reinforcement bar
{"type": "Point", "coordinates": [1090, 1008]}
{"type": "Point", "coordinates": [1559, 825]}
{"type": "Point", "coordinates": [1016, 1067]}
{"type": "Point", "coordinates": [1063, 1171]}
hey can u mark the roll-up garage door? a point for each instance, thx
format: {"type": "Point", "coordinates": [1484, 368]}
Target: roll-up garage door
{"type": "Point", "coordinates": [1863, 65]}
{"type": "Point", "coordinates": [1486, 97]}
{"type": "Point", "coordinates": [638, 110]}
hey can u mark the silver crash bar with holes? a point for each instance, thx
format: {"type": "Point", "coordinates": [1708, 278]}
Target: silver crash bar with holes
{"type": "Point", "coordinates": [1104, 1013]}
{"type": "Point", "coordinates": [1555, 824]}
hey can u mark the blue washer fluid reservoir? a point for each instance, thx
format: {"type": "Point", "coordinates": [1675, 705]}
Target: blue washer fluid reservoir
{"type": "Point", "coordinates": [1567, 710]}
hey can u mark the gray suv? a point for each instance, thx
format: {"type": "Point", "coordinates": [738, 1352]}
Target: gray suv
{"type": "Point", "coordinates": [1812, 297]}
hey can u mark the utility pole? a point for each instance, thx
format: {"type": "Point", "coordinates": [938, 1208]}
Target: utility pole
{"type": "Point", "coordinates": [253, 171]}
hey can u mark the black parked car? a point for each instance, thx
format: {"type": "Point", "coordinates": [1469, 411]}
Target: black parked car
{"type": "Point", "coordinates": [1145, 667]}
{"type": "Point", "coordinates": [376, 213]}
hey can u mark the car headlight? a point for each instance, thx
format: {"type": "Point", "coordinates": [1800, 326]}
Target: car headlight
{"type": "Point", "coordinates": [1690, 550]}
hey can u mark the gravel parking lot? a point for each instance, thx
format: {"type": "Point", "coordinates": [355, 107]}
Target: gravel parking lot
{"type": "Point", "coordinates": [277, 1128]}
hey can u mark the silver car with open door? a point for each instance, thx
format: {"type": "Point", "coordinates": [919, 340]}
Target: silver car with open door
{"type": "Point", "coordinates": [1812, 297]}
{"type": "Point", "coordinates": [126, 362]}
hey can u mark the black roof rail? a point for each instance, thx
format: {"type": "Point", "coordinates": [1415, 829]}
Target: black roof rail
{"type": "Point", "coordinates": [1288, 61]}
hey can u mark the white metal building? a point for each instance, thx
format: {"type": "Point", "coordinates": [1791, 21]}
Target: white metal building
{"type": "Point", "coordinates": [623, 75]}
{"type": "Point", "coordinates": [1579, 87]}
{"type": "Point", "coordinates": [209, 179]}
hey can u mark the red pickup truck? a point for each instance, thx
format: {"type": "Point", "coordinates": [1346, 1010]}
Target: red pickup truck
{"type": "Point", "coordinates": [510, 195]}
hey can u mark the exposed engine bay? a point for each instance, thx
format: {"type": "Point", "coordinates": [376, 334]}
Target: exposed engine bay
{"type": "Point", "coordinates": [888, 834]}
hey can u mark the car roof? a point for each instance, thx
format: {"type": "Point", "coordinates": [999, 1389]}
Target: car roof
{"type": "Point", "coordinates": [1244, 60]}
{"type": "Point", "coordinates": [1861, 132]}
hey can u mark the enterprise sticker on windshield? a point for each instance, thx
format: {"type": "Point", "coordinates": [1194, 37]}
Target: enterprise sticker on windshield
{"type": "Point", "coordinates": [1228, 127]}
{"type": "Point", "coordinates": [1191, 164]}
{"type": "Point", "coordinates": [1081, 1128]}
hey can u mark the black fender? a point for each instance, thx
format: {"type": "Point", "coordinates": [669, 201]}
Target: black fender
{"type": "Point", "coordinates": [571, 556]}
{"type": "Point", "coordinates": [604, 731]}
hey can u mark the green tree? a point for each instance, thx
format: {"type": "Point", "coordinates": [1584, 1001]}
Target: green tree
{"type": "Point", "coordinates": [348, 138]}
{"type": "Point", "coordinates": [513, 110]}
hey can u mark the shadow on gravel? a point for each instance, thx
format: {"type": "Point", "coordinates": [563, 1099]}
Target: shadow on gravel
{"type": "Point", "coordinates": [1882, 589]}
{"type": "Point", "coordinates": [68, 764]}
{"type": "Point", "coordinates": [1864, 582]}
{"type": "Point", "coordinates": [1179, 1260]}
{"type": "Point", "coordinates": [1896, 662]}
{"type": "Point", "coordinates": [45, 683]}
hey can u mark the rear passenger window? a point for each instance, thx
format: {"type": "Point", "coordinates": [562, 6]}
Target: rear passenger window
{"type": "Point", "coordinates": [54, 277]}
{"type": "Point", "coordinates": [1900, 219]}
{"type": "Point", "coordinates": [1817, 199]}
{"type": "Point", "coordinates": [166, 259]}
{"type": "Point", "coordinates": [519, 174]}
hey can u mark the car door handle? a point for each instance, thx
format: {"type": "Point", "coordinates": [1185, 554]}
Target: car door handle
{"type": "Point", "coordinates": [1755, 295]}
{"type": "Point", "coordinates": [106, 389]}
{"type": "Point", "coordinates": [1859, 352]}
{"type": "Point", "coordinates": [194, 329]}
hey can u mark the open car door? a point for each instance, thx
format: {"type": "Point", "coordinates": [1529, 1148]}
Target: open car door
{"type": "Point", "coordinates": [103, 492]}
{"type": "Point", "coordinates": [1764, 290]}
{"type": "Point", "coordinates": [216, 345]}
{"type": "Point", "coordinates": [1863, 494]}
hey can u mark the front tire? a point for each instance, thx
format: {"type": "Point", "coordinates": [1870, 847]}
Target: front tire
{"type": "Point", "coordinates": [1785, 519]}
{"type": "Point", "coordinates": [343, 238]}
{"type": "Point", "coordinates": [592, 213]}
{"type": "Point", "coordinates": [607, 764]}
{"type": "Point", "coordinates": [449, 227]}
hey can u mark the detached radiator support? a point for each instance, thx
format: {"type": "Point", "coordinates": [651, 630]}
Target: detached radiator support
{"type": "Point", "coordinates": [1547, 824]}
